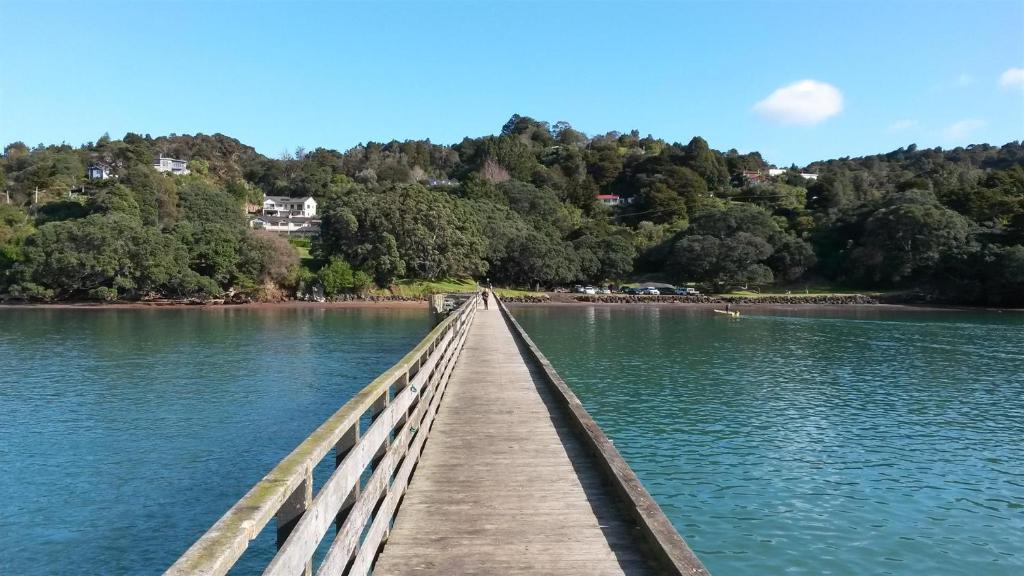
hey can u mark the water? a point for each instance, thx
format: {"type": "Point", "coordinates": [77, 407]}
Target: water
{"type": "Point", "coordinates": [814, 443]}
{"type": "Point", "coordinates": [125, 434]}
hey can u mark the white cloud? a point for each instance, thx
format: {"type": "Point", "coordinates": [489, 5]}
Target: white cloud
{"type": "Point", "coordinates": [804, 102]}
{"type": "Point", "coordinates": [1012, 78]}
{"type": "Point", "coordinates": [901, 126]}
{"type": "Point", "coordinates": [964, 79]}
{"type": "Point", "coordinates": [963, 129]}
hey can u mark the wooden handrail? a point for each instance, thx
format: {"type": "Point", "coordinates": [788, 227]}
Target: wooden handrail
{"type": "Point", "coordinates": [402, 402]}
{"type": "Point", "coordinates": [664, 543]}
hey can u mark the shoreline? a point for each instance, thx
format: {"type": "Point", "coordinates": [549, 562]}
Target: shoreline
{"type": "Point", "coordinates": [285, 305]}
{"type": "Point", "coordinates": [771, 306]}
{"type": "Point", "coordinates": [512, 303]}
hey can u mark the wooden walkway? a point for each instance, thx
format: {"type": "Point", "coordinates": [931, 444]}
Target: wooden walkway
{"type": "Point", "coordinates": [503, 485]}
{"type": "Point", "coordinates": [470, 455]}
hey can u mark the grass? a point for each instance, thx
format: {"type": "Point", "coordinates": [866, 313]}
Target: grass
{"type": "Point", "coordinates": [424, 288]}
{"type": "Point", "coordinates": [813, 290]}
{"type": "Point", "coordinates": [514, 293]}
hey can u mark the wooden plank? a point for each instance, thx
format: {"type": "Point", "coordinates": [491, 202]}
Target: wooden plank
{"type": "Point", "coordinates": [378, 528]}
{"type": "Point", "coordinates": [347, 539]}
{"type": "Point", "coordinates": [674, 556]}
{"type": "Point", "coordinates": [500, 469]}
{"type": "Point", "coordinates": [310, 530]}
{"type": "Point", "coordinates": [221, 546]}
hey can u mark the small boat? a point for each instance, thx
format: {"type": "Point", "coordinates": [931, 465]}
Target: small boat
{"type": "Point", "coordinates": [730, 313]}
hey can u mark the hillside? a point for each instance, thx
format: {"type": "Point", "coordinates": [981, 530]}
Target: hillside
{"type": "Point", "coordinates": [534, 205]}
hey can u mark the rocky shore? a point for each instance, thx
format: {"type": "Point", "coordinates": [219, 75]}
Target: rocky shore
{"type": "Point", "coordinates": [822, 299]}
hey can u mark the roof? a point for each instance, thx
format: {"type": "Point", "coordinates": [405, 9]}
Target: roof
{"type": "Point", "coordinates": [288, 199]}
{"type": "Point", "coordinates": [607, 197]}
{"type": "Point", "coordinates": [285, 219]}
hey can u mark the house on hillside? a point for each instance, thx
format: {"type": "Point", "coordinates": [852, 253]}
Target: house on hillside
{"type": "Point", "coordinates": [172, 165]}
{"type": "Point", "coordinates": [98, 172]}
{"type": "Point", "coordinates": [440, 182]}
{"type": "Point", "coordinates": [283, 206]}
{"type": "Point", "coordinates": [776, 172]}
{"type": "Point", "coordinates": [753, 176]}
{"type": "Point", "coordinates": [292, 226]}
{"type": "Point", "coordinates": [609, 199]}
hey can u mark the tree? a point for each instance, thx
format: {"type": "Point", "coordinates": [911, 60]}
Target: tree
{"type": "Point", "coordinates": [659, 204]}
{"type": "Point", "coordinates": [906, 238]}
{"type": "Point", "coordinates": [268, 258]}
{"type": "Point", "coordinates": [709, 164]}
{"type": "Point", "coordinates": [104, 256]}
{"type": "Point", "coordinates": [734, 261]}
{"type": "Point", "coordinates": [336, 277]}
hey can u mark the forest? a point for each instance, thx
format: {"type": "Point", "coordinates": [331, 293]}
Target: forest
{"type": "Point", "coordinates": [519, 208]}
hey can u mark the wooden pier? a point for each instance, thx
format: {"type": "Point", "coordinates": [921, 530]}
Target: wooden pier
{"type": "Point", "coordinates": [478, 460]}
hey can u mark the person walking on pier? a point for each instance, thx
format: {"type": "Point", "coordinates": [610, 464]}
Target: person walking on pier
{"type": "Point", "coordinates": [487, 299]}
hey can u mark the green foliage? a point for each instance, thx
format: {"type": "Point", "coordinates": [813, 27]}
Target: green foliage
{"type": "Point", "coordinates": [199, 166]}
{"type": "Point", "coordinates": [907, 237]}
{"type": "Point", "coordinates": [336, 277]}
{"type": "Point", "coordinates": [517, 207]}
{"type": "Point", "coordinates": [395, 230]}
{"type": "Point", "coordinates": [106, 256]}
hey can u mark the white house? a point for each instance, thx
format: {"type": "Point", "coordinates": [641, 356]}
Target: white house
{"type": "Point", "coordinates": [98, 172]}
{"type": "Point", "coordinates": [774, 172]}
{"type": "Point", "coordinates": [297, 225]}
{"type": "Point", "coordinates": [284, 206]}
{"type": "Point", "coordinates": [172, 165]}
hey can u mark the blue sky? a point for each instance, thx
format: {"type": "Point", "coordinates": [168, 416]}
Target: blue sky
{"type": "Point", "coordinates": [282, 74]}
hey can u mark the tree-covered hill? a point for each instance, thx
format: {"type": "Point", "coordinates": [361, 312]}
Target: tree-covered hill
{"type": "Point", "coordinates": [520, 207]}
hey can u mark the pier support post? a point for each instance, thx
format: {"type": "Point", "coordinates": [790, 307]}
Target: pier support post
{"type": "Point", "coordinates": [291, 512]}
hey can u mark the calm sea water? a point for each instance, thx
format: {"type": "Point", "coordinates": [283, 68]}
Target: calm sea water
{"type": "Point", "coordinates": [815, 443]}
{"type": "Point", "coordinates": [124, 434]}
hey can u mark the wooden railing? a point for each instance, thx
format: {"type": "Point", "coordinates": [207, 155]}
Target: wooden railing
{"type": "Point", "coordinates": [402, 403]}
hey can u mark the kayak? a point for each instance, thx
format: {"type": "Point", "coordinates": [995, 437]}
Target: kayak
{"type": "Point", "coordinates": [733, 314]}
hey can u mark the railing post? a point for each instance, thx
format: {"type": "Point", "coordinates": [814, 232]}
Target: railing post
{"type": "Point", "coordinates": [345, 445]}
{"type": "Point", "coordinates": [286, 495]}
{"type": "Point", "coordinates": [292, 510]}
{"type": "Point", "coordinates": [378, 406]}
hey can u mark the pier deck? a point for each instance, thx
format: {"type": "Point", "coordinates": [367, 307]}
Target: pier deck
{"type": "Point", "coordinates": [469, 456]}
{"type": "Point", "coordinates": [503, 485]}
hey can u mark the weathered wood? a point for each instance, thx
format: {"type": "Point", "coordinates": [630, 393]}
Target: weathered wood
{"type": "Point", "coordinates": [220, 547]}
{"type": "Point", "coordinates": [501, 467]}
{"type": "Point", "coordinates": [345, 543]}
{"type": "Point", "coordinates": [481, 461]}
{"type": "Point", "coordinates": [291, 512]}
{"type": "Point", "coordinates": [341, 450]}
{"type": "Point", "coordinates": [372, 448]}
{"type": "Point", "coordinates": [665, 544]}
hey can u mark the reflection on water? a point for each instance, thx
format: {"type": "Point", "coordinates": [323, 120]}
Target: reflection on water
{"type": "Point", "coordinates": [124, 434]}
{"type": "Point", "coordinates": [862, 442]}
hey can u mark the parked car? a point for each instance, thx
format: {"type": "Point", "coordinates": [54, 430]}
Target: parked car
{"type": "Point", "coordinates": [578, 289]}
{"type": "Point", "coordinates": [631, 291]}
{"type": "Point", "coordinates": [604, 291]}
{"type": "Point", "coordinates": [686, 292]}
{"type": "Point", "coordinates": [650, 291]}
{"type": "Point", "coordinates": [589, 290]}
